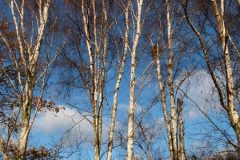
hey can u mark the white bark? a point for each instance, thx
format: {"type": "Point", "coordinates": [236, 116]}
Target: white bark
{"type": "Point", "coordinates": [204, 50]}
{"type": "Point", "coordinates": [117, 86]}
{"type": "Point", "coordinates": [231, 108]}
{"type": "Point", "coordinates": [182, 153]}
{"type": "Point", "coordinates": [29, 67]}
{"type": "Point", "coordinates": [164, 105]}
{"type": "Point", "coordinates": [170, 82]}
{"type": "Point", "coordinates": [97, 52]}
{"type": "Point", "coordinates": [93, 92]}
{"type": "Point", "coordinates": [132, 83]}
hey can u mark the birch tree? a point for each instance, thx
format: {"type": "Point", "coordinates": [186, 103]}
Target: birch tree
{"type": "Point", "coordinates": [29, 63]}
{"type": "Point", "coordinates": [180, 147]}
{"type": "Point", "coordinates": [28, 24]}
{"type": "Point", "coordinates": [173, 120]}
{"type": "Point", "coordinates": [89, 23]}
{"type": "Point", "coordinates": [97, 53]}
{"type": "Point", "coordinates": [182, 152]}
{"type": "Point", "coordinates": [231, 108]}
{"type": "Point", "coordinates": [118, 81]}
{"type": "Point", "coordinates": [228, 103]}
{"type": "Point", "coordinates": [156, 55]}
{"type": "Point", "coordinates": [170, 80]}
{"type": "Point", "coordinates": [133, 51]}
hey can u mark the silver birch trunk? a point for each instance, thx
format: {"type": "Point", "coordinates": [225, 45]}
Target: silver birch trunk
{"type": "Point", "coordinates": [130, 154]}
{"type": "Point", "coordinates": [182, 153]}
{"type": "Point", "coordinates": [164, 106]}
{"type": "Point", "coordinates": [97, 53]}
{"type": "Point", "coordinates": [17, 10]}
{"type": "Point", "coordinates": [170, 81]}
{"type": "Point", "coordinates": [117, 86]}
{"type": "Point", "coordinates": [231, 108]}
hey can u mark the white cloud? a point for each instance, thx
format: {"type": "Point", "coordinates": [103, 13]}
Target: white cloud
{"type": "Point", "coordinates": [199, 87]}
{"type": "Point", "coordinates": [70, 122]}
{"type": "Point", "coordinates": [125, 108]}
{"type": "Point", "coordinates": [192, 114]}
{"type": "Point", "coordinates": [65, 119]}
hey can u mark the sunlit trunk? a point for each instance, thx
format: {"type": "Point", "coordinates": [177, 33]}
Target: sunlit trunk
{"type": "Point", "coordinates": [116, 91]}
{"type": "Point", "coordinates": [96, 142]}
{"type": "Point", "coordinates": [132, 83]}
{"type": "Point", "coordinates": [156, 56]}
{"type": "Point", "coordinates": [170, 81]}
{"type": "Point", "coordinates": [231, 108]}
{"type": "Point", "coordinates": [182, 153]}
{"type": "Point", "coordinates": [96, 44]}
{"type": "Point", "coordinates": [23, 139]}
{"type": "Point", "coordinates": [30, 66]}
{"type": "Point", "coordinates": [164, 107]}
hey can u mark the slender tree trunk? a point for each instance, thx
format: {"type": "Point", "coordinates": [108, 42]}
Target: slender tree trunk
{"type": "Point", "coordinates": [96, 43]}
{"type": "Point", "coordinates": [115, 97]}
{"type": "Point", "coordinates": [113, 113]}
{"type": "Point", "coordinates": [156, 57]}
{"type": "Point", "coordinates": [182, 154]}
{"type": "Point", "coordinates": [93, 90]}
{"type": "Point", "coordinates": [97, 146]}
{"type": "Point", "coordinates": [97, 116]}
{"type": "Point", "coordinates": [132, 83]}
{"type": "Point", "coordinates": [96, 138]}
{"type": "Point", "coordinates": [23, 138]}
{"type": "Point", "coordinates": [232, 111]}
{"type": "Point", "coordinates": [170, 82]}
{"type": "Point", "coordinates": [230, 106]}
{"type": "Point", "coordinates": [29, 67]}
{"type": "Point", "coordinates": [22, 143]}
{"type": "Point", "coordinates": [131, 114]}
{"type": "Point", "coordinates": [164, 106]}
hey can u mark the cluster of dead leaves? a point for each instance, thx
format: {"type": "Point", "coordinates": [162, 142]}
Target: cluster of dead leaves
{"type": "Point", "coordinates": [11, 151]}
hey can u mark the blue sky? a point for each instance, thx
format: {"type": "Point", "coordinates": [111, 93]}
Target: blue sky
{"type": "Point", "coordinates": [70, 127]}
{"type": "Point", "coordinates": [50, 127]}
